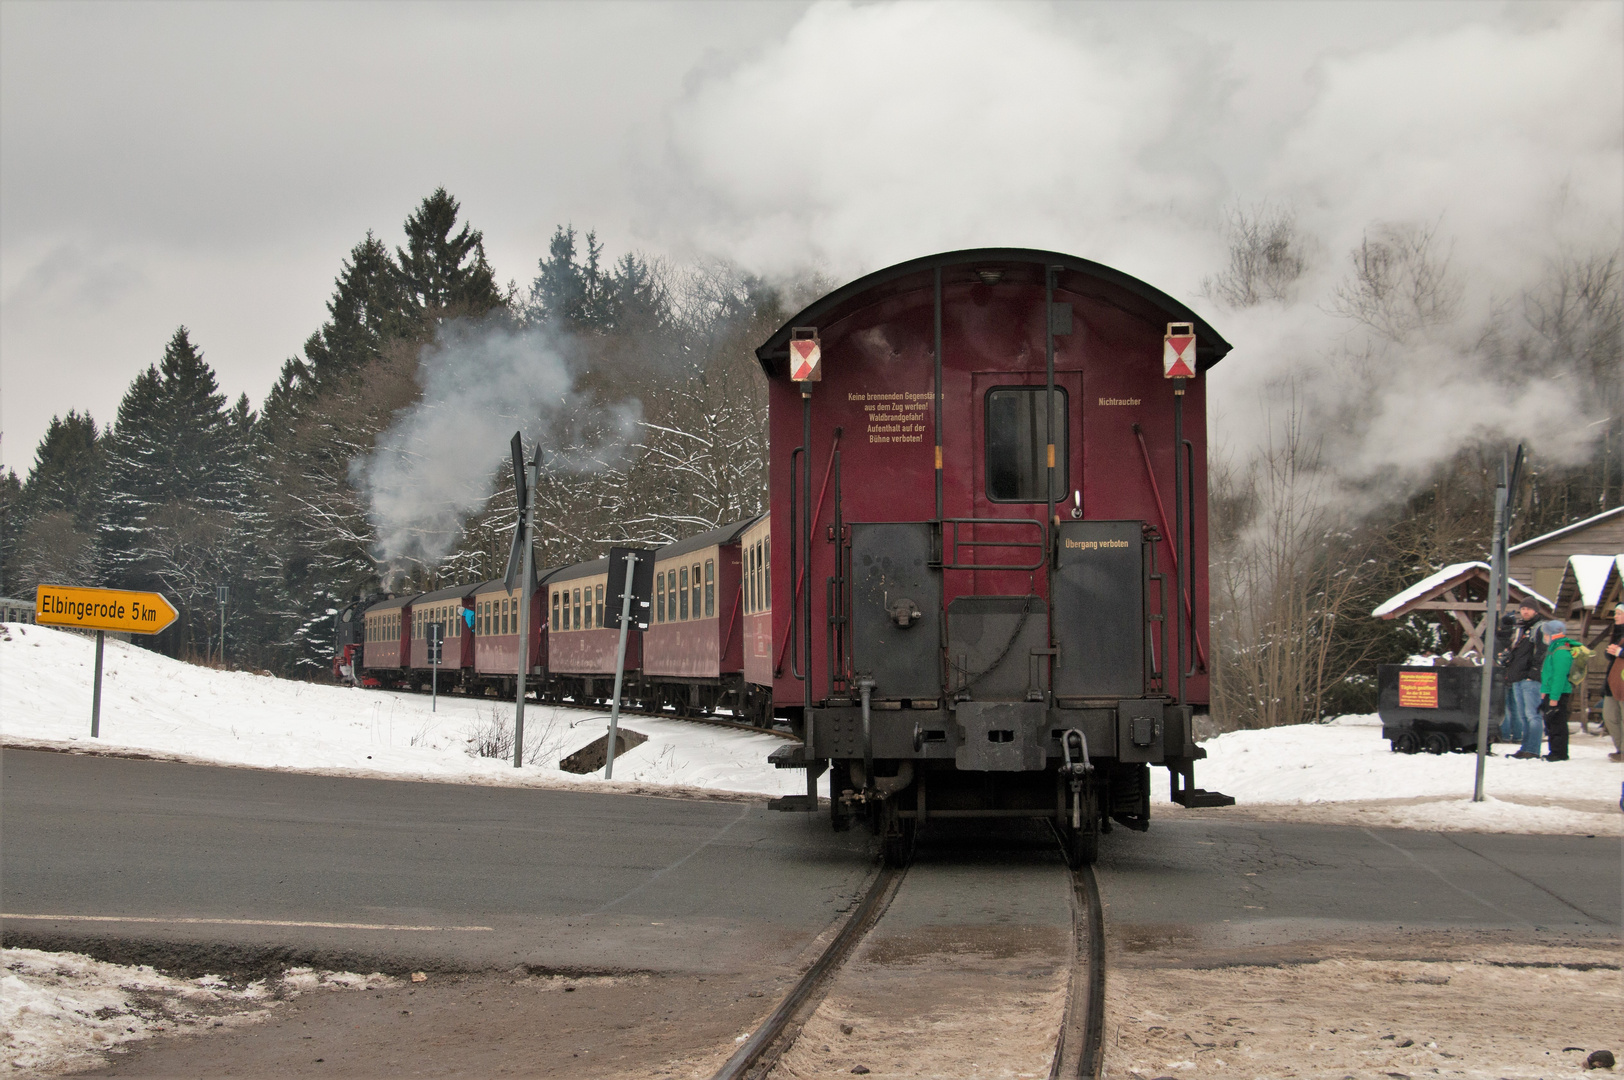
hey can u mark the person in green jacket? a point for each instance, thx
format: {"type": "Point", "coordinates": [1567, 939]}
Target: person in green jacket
{"type": "Point", "coordinates": [1555, 690]}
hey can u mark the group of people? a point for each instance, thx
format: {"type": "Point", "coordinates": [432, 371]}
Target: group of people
{"type": "Point", "coordinates": [1538, 659]}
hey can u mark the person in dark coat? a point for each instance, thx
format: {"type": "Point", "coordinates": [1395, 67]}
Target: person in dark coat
{"type": "Point", "coordinates": [1522, 655]}
{"type": "Point", "coordinates": [1612, 707]}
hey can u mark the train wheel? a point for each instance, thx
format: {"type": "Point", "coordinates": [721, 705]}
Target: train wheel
{"type": "Point", "coordinates": [1083, 845]}
{"type": "Point", "coordinates": [1407, 743]}
{"type": "Point", "coordinates": [896, 845]}
{"type": "Point", "coordinates": [1438, 743]}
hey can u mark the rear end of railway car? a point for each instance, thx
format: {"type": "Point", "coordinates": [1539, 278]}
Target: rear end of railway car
{"type": "Point", "coordinates": [989, 587]}
{"type": "Point", "coordinates": [755, 593]}
{"type": "Point", "coordinates": [693, 650]}
{"type": "Point", "coordinates": [581, 651]}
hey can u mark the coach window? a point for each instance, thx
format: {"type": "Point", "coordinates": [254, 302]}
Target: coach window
{"type": "Point", "coordinates": [552, 624]}
{"type": "Point", "coordinates": [710, 588]}
{"type": "Point", "coordinates": [659, 597]}
{"type": "Point", "coordinates": [600, 605]}
{"type": "Point", "coordinates": [698, 591]}
{"type": "Point", "coordinates": [575, 604]}
{"type": "Point", "coordinates": [1018, 444]}
{"type": "Point", "coordinates": [682, 592]}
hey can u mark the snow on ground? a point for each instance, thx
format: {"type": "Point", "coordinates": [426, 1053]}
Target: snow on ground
{"type": "Point", "coordinates": [1340, 771]}
{"type": "Point", "coordinates": [63, 1011]}
{"type": "Point", "coordinates": [1344, 771]}
{"type": "Point", "coordinates": [165, 708]}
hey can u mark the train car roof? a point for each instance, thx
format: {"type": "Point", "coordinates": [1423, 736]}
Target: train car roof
{"type": "Point", "coordinates": [453, 592]}
{"type": "Point", "coordinates": [581, 570]}
{"type": "Point", "coordinates": [722, 534]}
{"type": "Point", "coordinates": [393, 602]}
{"type": "Point", "coordinates": [500, 584]}
{"type": "Point", "coordinates": [1080, 276]}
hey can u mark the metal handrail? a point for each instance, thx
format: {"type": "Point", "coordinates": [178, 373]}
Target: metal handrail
{"type": "Point", "coordinates": [954, 564]}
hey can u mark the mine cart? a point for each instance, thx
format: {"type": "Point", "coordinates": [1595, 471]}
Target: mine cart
{"type": "Point", "coordinates": [1435, 708]}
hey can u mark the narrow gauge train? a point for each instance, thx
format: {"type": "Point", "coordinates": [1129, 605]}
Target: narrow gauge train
{"type": "Point", "coordinates": [691, 659]}
{"type": "Point", "coordinates": [989, 594]}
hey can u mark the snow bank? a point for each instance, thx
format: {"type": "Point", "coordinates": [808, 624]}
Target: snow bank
{"type": "Point", "coordinates": [63, 1011]}
{"type": "Point", "coordinates": [162, 707]}
{"type": "Point", "coordinates": [1345, 771]}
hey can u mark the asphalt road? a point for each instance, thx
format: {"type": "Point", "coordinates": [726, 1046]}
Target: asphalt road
{"type": "Point", "coordinates": [484, 878]}
{"type": "Point", "coordinates": [1220, 887]}
{"type": "Point", "coordinates": [461, 877]}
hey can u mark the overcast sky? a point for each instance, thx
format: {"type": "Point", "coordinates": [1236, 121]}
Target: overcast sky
{"type": "Point", "coordinates": [210, 164]}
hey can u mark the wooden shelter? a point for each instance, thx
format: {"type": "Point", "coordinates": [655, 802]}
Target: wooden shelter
{"type": "Point", "coordinates": [1456, 598]}
{"type": "Point", "coordinates": [1591, 588]}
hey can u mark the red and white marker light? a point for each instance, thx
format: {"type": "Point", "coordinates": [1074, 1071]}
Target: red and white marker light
{"type": "Point", "coordinates": [805, 355]}
{"type": "Point", "coordinates": [1178, 351]}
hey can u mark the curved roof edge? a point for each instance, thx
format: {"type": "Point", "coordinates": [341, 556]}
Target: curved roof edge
{"type": "Point", "coordinates": [1210, 347]}
{"type": "Point", "coordinates": [722, 534]}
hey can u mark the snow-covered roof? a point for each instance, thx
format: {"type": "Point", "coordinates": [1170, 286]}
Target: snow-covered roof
{"type": "Point", "coordinates": [1589, 573]}
{"type": "Point", "coordinates": [1447, 578]}
{"type": "Point", "coordinates": [1604, 515]}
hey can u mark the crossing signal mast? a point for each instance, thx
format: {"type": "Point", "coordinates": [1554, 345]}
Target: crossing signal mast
{"type": "Point", "coordinates": [521, 564]}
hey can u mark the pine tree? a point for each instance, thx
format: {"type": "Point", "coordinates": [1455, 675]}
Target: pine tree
{"type": "Point", "coordinates": [441, 273]}
{"type": "Point", "coordinates": [175, 490]}
{"type": "Point", "coordinates": [12, 521]}
{"type": "Point", "coordinates": [67, 469]}
{"type": "Point", "coordinates": [370, 306]}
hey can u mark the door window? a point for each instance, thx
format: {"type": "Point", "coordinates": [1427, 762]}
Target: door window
{"type": "Point", "coordinates": [1018, 444]}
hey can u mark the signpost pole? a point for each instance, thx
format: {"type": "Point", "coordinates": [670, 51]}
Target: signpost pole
{"type": "Point", "coordinates": [620, 663]}
{"type": "Point", "coordinates": [1491, 626]}
{"type": "Point", "coordinates": [95, 693]}
{"type": "Point", "coordinates": [527, 525]}
{"type": "Point", "coordinates": [221, 592]}
{"type": "Point", "coordinates": [435, 639]}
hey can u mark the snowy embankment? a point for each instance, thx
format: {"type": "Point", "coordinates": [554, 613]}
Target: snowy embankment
{"type": "Point", "coordinates": [1344, 772]}
{"type": "Point", "coordinates": [60, 1012]}
{"type": "Point", "coordinates": [1340, 771]}
{"type": "Point", "coordinates": [165, 708]}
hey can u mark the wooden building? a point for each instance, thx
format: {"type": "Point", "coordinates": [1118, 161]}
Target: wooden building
{"type": "Point", "coordinates": [1542, 561]}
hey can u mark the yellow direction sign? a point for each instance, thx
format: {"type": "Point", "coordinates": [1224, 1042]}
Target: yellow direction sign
{"type": "Point", "coordinates": [103, 609]}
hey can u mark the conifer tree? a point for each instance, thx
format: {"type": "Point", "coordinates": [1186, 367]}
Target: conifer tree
{"type": "Point", "coordinates": [175, 488]}
{"type": "Point", "coordinates": [444, 273]}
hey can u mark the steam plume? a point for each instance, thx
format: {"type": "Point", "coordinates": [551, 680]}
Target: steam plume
{"type": "Point", "coordinates": [481, 380]}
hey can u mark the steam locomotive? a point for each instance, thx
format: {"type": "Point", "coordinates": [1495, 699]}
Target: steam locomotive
{"type": "Point", "coordinates": [988, 595]}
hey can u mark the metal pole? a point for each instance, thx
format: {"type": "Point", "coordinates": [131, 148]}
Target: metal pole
{"type": "Point", "coordinates": [528, 526]}
{"type": "Point", "coordinates": [222, 631]}
{"type": "Point", "coordinates": [806, 551]}
{"type": "Point", "coordinates": [620, 664]}
{"type": "Point", "coordinates": [95, 693]}
{"type": "Point", "coordinates": [1491, 624]}
{"type": "Point", "coordinates": [1048, 405]}
{"type": "Point", "coordinates": [435, 645]}
{"type": "Point", "coordinates": [1179, 628]}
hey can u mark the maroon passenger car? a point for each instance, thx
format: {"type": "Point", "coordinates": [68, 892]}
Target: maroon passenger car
{"type": "Point", "coordinates": [693, 650]}
{"type": "Point", "coordinates": [385, 648]}
{"type": "Point", "coordinates": [989, 589]}
{"type": "Point", "coordinates": [580, 649]}
{"type": "Point", "coordinates": [497, 638]}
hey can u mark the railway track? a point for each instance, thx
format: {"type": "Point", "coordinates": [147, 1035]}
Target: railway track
{"type": "Point", "coordinates": [1078, 1053]}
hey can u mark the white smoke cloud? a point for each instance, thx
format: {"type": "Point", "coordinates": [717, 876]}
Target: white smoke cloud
{"type": "Point", "coordinates": [481, 381]}
{"type": "Point", "coordinates": [875, 133]}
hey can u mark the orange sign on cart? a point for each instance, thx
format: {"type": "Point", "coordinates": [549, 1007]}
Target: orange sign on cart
{"type": "Point", "coordinates": [1418, 689]}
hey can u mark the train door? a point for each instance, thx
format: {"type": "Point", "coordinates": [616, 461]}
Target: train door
{"type": "Point", "coordinates": [998, 623]}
